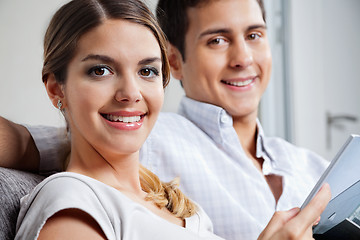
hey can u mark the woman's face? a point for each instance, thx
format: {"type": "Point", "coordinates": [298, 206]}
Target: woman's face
{"type": "Point", "coordinates": [113, 92]}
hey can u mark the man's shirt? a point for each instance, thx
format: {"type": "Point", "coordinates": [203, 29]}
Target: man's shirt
{"type": "Point", "coordinates": [202, 148]}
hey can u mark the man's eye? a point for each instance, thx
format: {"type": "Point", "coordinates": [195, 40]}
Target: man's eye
{"type": "Point", "coordinates": [149, 72]}
{"type": "Point", "coordinates": [254, 36]}
{"type": "Point", "coordinates": [217, 41]}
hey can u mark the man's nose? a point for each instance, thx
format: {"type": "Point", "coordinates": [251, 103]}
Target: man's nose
{"type": "Point", "coordinates": [240, 54]}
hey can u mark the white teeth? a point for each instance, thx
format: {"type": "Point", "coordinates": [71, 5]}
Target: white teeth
{"type": "Point", "coordinates": [240, 84]}
{"type": "Point", "coordinates": [122, 119]}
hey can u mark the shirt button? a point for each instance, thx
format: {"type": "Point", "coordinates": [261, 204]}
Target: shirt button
{"type": "Point", "coordinates": [224, 119]}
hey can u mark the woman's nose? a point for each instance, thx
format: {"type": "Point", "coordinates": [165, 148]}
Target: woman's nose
{"type": "Point", "coordinates": [128, 91]}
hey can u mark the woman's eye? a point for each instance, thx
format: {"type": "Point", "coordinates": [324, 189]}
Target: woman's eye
{"type": "Point", "coordinates": [149, 72]}
{"type": "Point", "coordinates": [100, 71]}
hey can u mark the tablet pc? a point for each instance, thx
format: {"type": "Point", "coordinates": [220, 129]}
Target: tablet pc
{"type": "Point", "coordinates": [343, 176]}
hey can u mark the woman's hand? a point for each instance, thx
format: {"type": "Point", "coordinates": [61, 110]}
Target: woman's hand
{"type": "Point", "coordinates": [296, 223]}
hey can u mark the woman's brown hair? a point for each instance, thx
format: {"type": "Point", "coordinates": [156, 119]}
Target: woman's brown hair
{"type": "Point", "coordinates": [78, 17]}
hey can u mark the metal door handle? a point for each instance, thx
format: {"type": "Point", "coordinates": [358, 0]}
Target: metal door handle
{"type": "Point", "coordinates": [333, 120]}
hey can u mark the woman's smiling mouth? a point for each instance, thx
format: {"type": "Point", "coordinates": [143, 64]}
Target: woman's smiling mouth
{"type": "Point", "coordinates": [132, 121]}
{"type": "Point", "coordinates": [125, 119]}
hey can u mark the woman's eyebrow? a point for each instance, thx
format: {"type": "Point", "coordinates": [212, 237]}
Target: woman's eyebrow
{"type": "Point", "coordinates": [102, 58]}
{"type": "Point", "coordinates": [149, 60]}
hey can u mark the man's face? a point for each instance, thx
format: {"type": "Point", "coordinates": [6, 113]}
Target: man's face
{"type": "Point", "coordinates": [227, 56]}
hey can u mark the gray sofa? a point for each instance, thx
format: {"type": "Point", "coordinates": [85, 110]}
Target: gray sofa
{"type": "Point", "coordinates": [14, 184]}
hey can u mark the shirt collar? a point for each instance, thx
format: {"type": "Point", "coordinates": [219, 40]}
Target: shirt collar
{"type": "Point", "coordinates": [209, 118]}
{"type": "Point", "coordinates": [270, 152]}
{"type": "Point", "coordinates": [261, 145]}
{"type": "Point", "coordinates": [213, 119]}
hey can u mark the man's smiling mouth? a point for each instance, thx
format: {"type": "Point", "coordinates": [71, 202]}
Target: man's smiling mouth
{"type": "Point", "coordinates": [239, 83]}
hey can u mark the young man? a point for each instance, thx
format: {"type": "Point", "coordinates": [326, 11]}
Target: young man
{"type": "Point", "coordinates": [220, 52]}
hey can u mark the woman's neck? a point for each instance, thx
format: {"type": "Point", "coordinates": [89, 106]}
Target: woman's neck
{"type": "Point", "coordinates": [118, 171]}
{"type": "Point", "coordinates": [115, 170]}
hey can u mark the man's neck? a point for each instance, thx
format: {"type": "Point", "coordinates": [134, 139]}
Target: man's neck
{"type": "Point", "coordinates": [246, 130]}
{"type": "Point", "coordinates": [247, 133]}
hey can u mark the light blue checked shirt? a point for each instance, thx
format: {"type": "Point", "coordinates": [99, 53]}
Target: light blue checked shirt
{"type": "Point", "coordinates": [201, 147]}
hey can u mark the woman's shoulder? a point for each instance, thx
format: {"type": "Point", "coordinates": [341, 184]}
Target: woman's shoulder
{"type": "Point", "coordinates": [64, 184]}
{"type": "Point", "coordinates": [70, 190]}
{"type": "Point", "coordinates": [59, 192]}
{"type": "Point", "coordinates": [70, 178]}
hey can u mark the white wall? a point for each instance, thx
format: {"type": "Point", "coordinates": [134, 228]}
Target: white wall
{"type": "Point", "coordinates": [22, 95]}
{"type": "Point", "coordinates": [325, 72]}
{"type": "Point", "coordinates": [272, 107]}
{"type": "Point", "coordinates": [307, 73]}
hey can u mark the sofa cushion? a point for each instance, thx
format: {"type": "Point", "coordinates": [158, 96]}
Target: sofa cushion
{"type": "Point", "coordinates": [14, 184]}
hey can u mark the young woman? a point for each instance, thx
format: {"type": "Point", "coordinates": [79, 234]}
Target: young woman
{"type": "Point", "coordinates": [105, 67]}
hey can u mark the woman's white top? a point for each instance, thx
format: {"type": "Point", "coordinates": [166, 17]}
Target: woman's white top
{"type": "Point", "coordinates": [118, 216]}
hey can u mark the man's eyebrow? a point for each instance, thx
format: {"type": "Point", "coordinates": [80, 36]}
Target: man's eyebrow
{"type": "Point", "coordinates": [149, 60]}
{"type": "Point", "coordinates": [102, 58]}
{"type": "Point", "coordinates": [215, 31]}
{"type": "Point", "coordinates": [257, 26]}
{"type": "Point", "coordinates": [228, 30]}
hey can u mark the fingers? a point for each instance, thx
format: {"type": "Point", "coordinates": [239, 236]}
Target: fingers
{"type": "Point", "coordinates": [310, 214]}
{"type": "Point", "coordinates": [296, 224]}
{"type": "Point", "coordinates": [317, 221]}
{"type": "Point", "coordinates": [276, 223]}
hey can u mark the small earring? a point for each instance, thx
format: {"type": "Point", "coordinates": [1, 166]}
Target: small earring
{"type": "Point", "coordinates": [59, 104]}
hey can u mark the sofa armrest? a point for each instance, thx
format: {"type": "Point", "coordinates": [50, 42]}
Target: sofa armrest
{"type": "Point", "coordinates": [14, 184]}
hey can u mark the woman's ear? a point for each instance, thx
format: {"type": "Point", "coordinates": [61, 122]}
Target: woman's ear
{"type": "Point", "coordinates": [54, 90]}
{"type": "Point", "coordinates": [175, 61]}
